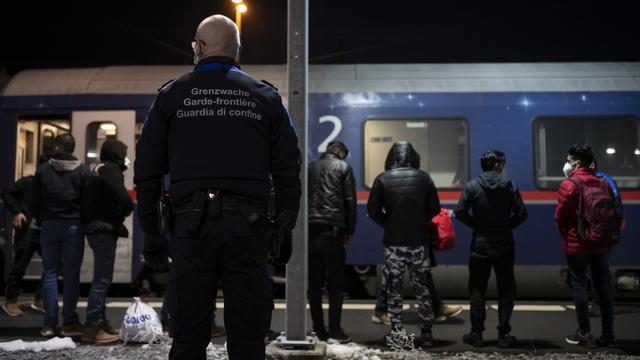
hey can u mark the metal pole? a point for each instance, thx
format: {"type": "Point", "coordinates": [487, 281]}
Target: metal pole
{"type": "Point", "coordinates": [297, 69]}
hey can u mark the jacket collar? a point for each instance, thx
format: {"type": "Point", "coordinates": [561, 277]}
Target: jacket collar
{"type": "Point", "coordinates": [582, 171]}
{"type": "Point", "coordinates": [224, 61]}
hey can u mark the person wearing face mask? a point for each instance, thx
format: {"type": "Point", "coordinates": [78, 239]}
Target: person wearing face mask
{"type": "Point", "coordinates": [105, 205]}
{"type": "Point", "coordinates": [332, 221]}
{"type": "Point", "coordinates": [492, 206]}
{"type": "Point", "coordinates": [581, 189]}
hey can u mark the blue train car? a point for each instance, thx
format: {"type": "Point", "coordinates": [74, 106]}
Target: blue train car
{"type": "Point", "coordinates": [450, 112]}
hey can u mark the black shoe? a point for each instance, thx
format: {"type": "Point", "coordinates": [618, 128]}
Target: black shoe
{"type": "Point", "coordinates": [322, 335]}
{"type": "Point", "coordinates": [270, 336]}
{"type": "Point", "coordinates": [506, 341]}
{"type": "Point", "coordinates": [580, 339]}
{"type": "Point", "coordinates": [338, 337]}
{"type": "Point", "coordinates": [608, 342]}
{"type": "Point", "coordinates": [425, 339]}
{"type": "Point", "coordinates": [474, 339]}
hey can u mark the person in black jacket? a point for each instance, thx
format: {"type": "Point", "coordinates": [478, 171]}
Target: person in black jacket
{"type": "Point", "coordinates": [105, 205]}
{"type": "Point", "coordinates": [221, 134]}
{"type": "Point", "coordinates": [403, 201]}
{"type": "Point", "coordinates": [332, 221]}
{"type": "Point", "coordinates": [492, 206]}
{"type": "Point", "coordinates": [55, 203]}
{"type": "Point", "coordinates": [26, 242]}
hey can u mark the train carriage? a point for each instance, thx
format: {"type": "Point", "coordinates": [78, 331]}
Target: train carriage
{"type": "Point", "coordinates": [450, 112]}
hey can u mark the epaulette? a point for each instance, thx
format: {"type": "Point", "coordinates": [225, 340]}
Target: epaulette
{"type": "Point", "coordinates": [270, 84]}
{"type": "Point", "coordinates": [166, 84]}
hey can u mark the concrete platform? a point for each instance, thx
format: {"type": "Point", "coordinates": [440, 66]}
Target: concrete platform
{"type": "Point", "coordinates": [539, 326]}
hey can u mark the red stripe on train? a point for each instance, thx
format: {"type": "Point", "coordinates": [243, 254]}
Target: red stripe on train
{"type": "Point", "coordinates": [526, 195]}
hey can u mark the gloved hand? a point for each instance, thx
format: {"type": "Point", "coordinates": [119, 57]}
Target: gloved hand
{"type": "Point", "coordinates": [285, 248]}
{"type": "Point", "coordinates": [155, 252]}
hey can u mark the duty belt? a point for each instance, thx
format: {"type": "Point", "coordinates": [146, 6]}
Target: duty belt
{"type": "Point", "coordinates": [213, 203]}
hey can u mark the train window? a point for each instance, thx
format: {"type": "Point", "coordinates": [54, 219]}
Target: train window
{"type": "Point", "coordinates": [35, 137]}
{"type": "Point", "coordinates": [97, 133]}
{"type": "Point", "coordinates": [615, 141]}
{"type": "Point", "coordinates": [442, 144]}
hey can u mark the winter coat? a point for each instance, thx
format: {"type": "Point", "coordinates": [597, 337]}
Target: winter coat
{"type": "Point", "coordinates": [57, 189]}
{"type": "Point", "coordinates": [566, 214]}
{"type": "Point", "coordinates": [496, 209]}
{"type": "Point", "coordinates": [332, 193]}
{"type": "Point", "coordinates": [403, 199]}
{"type": "Point", "coordinates": [106, 201]}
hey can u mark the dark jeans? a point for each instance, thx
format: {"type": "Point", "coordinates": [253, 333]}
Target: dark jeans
{"type": "Point", "coordinates": [61, 240]}
{"type": "Point", "coordinates": [381, 297]}
{"type": "Point", "coordinates": [227, 248]}
{"type": "Point", "coordinates": [599, 267]}
{"type": "Point", "coordinates": [479, 273]}
{"type": "Point", "coordinates": [26, 242]}
{"type": "Point", "coordinates": [104, 254]}
{"type": "Point", "coordinates": [327, 256]}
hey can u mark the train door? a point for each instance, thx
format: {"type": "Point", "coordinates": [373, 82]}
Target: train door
{"type": "Point", "coordinates": [91, 129]}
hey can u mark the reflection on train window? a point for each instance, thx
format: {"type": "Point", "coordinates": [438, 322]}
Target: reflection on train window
{"type": "Point", "coordinates": [441, 143]}
{"type": "Point", "coordinates": [97, 134]}
{"type": "Point", "coordinates": [615, 141]}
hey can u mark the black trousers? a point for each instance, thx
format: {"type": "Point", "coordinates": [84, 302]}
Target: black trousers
{"type": "Point", "coordinates": [230, 249]}
{"type": "Point", "coordinates": [26, 243]}
{"type": "Point", "coordinates": [479, 272]}
{"type": "Point", "coordinates": [327, 257]}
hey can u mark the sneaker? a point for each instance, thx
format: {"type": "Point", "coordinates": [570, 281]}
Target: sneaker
{"type": "Point", "coordinates": [338, 337]}
{"type": "Point", "coordinates": [608, 342]}
{"type": "Point", "coordinates": [37, 305]}
{"type": "Point", "coordinates": [216, 330]}
{"type": "Point", "coordinates": [47, 331]}
{"type": "Point", "coordinates": [106, 326]}
{"type": "Point", "coordinates": [380, 318]}
{"type": "Point", "coordinates": [73, 329]}
{"type": "Point", "coordinates": [425, 339]}
{"type": "Point", "coordinates": [97, 335]}
{"type": "Point", "coordinates": [581, 339]}
{"type": "Point", "coordinates": [448, 311]}
{"type": "Point", "coordinates": [474, 339]}
{"type": "Point", "coordinates": [11, 308]}
{"type": "Point", "coordinates": [506, 341]}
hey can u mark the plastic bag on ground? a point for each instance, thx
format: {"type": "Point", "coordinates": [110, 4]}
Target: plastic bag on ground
{"type": "Point", "coordinates": [140, 323]}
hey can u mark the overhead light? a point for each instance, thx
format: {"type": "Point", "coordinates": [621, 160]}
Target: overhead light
{"type": "Point", "coordinates": [610, 151]}
{"type": "Point", "coordinates": [236, 1]}
{"type": "Point", "coordinates": [92, 155]}
{"type": "Point", "coordinates": [108, 126]}
{"type": "Point", "coordinates": [242, 8]}
{"type": "Point", "coordinates": [637, 152]}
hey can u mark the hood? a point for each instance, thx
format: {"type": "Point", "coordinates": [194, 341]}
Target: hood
{"type": "Point", "coordinates": [64, 163]}
{"type": "Point", "coordinates": [492, 180]}
{"type": "Point", "coordinates": [113, 151]}
{"type": "Point", "coordinates": [402, 154]}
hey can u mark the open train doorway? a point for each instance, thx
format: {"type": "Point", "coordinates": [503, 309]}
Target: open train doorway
{"type": "Point", "coordinates": [34, 141]}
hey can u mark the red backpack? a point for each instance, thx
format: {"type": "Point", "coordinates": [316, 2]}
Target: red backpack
{"type": "Point", "coordinates": [598, 222]}
{"type": "Point", "coordinates": [441, 232]}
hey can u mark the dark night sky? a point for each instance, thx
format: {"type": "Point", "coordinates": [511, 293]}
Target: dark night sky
{"type": "Point", "coordinates": [69, 34]}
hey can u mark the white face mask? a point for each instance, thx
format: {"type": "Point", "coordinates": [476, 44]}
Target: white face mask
{"type": "Point", "coordinates": [568, 168]}
{"type": "Point", "coordinates": [127, 162]}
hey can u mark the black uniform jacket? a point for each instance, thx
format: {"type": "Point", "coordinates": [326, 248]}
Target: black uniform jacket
{"type": "Point", "coordinates": [492, 206]}
{"type": "Point", "coordinates": [217, 127]}
{"type": "Point", "coordinates": [403, 199]}
{"type": "Point", "coordinates": [332, 193]}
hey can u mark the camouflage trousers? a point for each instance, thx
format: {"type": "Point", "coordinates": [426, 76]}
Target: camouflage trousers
{"type": "Point", "coordinates": [396, 261]}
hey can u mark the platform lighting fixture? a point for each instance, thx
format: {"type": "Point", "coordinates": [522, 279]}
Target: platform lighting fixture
{"type": "Point", "coordinates": [637, 152]}
{"type": "Point", "coordinates": [237, 1]}
{"type": "Point", "coordinates": [610, 151]}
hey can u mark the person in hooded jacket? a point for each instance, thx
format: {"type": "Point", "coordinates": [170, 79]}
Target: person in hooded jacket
{"type": "Point", "coordinates": [56, 194]}
{"type": "Point", "coordinates": [332, 221]}
{"type": "Point", "coordinates": [492, 206]}
{"type": "Point", "coordinates": [403, 200]}
{"type": "Point", "coordinates": [105, 205]}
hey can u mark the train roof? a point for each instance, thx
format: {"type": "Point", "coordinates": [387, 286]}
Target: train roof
{"type": "Point", "coordinates": [497, 77]}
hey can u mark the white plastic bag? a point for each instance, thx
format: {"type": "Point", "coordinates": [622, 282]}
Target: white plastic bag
{"type": "Point", "coordinates": [140, 323]}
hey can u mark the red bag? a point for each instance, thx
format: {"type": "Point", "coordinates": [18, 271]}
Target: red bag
{"type": "Point", "coordinates": [441, 231]}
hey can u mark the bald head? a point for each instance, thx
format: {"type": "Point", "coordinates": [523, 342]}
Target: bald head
{"type": "Point", "coordinates": [217, 35]}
